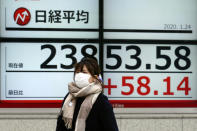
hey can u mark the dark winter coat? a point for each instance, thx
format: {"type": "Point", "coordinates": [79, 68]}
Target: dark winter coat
{"type": "Point", "coordinates": [100, 118]}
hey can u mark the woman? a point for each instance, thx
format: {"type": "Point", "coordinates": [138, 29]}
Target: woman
{"type": "Point", "coordinates": [85, 107]}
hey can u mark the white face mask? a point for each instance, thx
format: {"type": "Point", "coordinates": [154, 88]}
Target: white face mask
{"type": "Point", "coordinates": [82, 79]}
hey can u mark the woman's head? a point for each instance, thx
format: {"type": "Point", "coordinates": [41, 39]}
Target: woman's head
{"type": "Point", "coordinates": [87, 66]}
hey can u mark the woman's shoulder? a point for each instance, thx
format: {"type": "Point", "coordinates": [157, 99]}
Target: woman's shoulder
{"type": "Point", "coordinates": [64, 99]}
{"type": "Point", "coordinates": [102, 97]}
{"type": "Point", "coordinates": [103, 101]}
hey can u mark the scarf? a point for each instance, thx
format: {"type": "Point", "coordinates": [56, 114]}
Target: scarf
{"type": "Point", "coordinates": [90, 93]}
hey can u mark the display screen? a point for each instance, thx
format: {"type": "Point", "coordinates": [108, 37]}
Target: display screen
{"type": "Point", "coordinates": [150, 19]}
{"type": "Point", "coordinates": [146, 50]}
{"type": "Point", "coordinates": [40, 71]}
{"type": "Point", "coordinates": [49, 18]}
{"type": "Point", "coordinates": [153, 72]}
